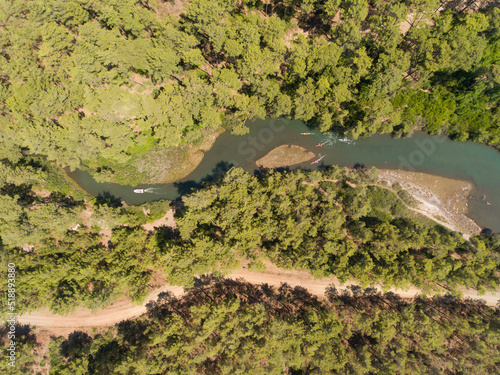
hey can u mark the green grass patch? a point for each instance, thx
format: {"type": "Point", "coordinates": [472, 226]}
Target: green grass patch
{"type": "Point", "coordinates": [55, 179]}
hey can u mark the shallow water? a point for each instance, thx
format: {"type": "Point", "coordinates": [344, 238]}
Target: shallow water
{"type": "Point", "coordinates": [436, 155]}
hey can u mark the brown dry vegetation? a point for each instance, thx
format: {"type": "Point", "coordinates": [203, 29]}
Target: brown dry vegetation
{"type": "Point", "coordinates": [169, 165]}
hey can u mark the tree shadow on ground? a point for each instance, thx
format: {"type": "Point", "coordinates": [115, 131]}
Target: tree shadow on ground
{"type": "Point", "coordinates": [205, 280]}
{"type": "Point", "coordinates": [283, 301]}
{"type": "Point", "coordinates": [286, 301]}
{"type": "Point", "coordinates": [22, 192]}
{"type": "Point", "coordinates": [74, 345]}
{"type": "Point", "coordinates": [20, 330]}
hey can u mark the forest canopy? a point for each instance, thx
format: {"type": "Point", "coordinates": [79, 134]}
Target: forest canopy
{"type": "Point", "coordinates": [101, 84]}
{"type": "Point", "coordinates": [330, 222]}
{"type": "Point", "coordinates": [111, 86]}
{"type": "Point", "coordinates": [333, 222]}
{"type": "Point", "coordinates": [229, 327]}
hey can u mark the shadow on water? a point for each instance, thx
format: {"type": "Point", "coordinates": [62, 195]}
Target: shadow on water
{"type": "Point", "coordinates": [186, 187]}
{"type": "Point", "coordinates": [108, 199]}
{"type": "Point", "coordinates": [422, 153]}
{"type": "Point", "coordinates": [220, 170]}
{"type": "Point", "coordinates": [190, 186]}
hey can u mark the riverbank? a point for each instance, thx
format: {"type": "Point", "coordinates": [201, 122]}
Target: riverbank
{"type": "Point", "coordinates": [284, 156]}
{"type": "Point", "coordinates": [169, 165]}
{"type": "Point", "coordinates": [455, 160]}
{"type": "Point", "coordinates": [441, 199]}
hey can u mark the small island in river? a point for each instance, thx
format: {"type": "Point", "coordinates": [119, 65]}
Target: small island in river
{"type": "Point", "coordinates": [284, 156]}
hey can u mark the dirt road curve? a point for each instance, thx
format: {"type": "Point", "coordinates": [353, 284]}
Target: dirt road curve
{"type": "Point", "coordinates": [124, 309]}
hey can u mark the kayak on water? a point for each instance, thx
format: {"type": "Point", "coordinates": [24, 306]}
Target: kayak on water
{"type": "Point", "coordinates": [318, 160]}
{"type": "Point", "coordinates": [320, 144]}
{"type": "Point", "coordinates": [306, 133]}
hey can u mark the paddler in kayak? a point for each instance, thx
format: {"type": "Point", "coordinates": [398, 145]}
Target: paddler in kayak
{"type": "Point", "coordinates": [318, 160]}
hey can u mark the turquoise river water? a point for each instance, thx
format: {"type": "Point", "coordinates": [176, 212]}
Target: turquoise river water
{"type": "Point", "coordinates": [436, 155]}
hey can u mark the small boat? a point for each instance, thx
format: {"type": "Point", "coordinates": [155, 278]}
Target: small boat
{"type": "Point", "coordinates": [344, 140]}
{"type": "Point", "coordinates": [306, 133]}
{"type": "Point", "coordinates": [318, 160]}
{"type": "Point", "coordinates": [321, 144]}
{"type": "Point", "coordinates": [139, 191]}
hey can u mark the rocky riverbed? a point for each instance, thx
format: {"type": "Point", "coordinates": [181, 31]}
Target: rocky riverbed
{"type": "Point", "coordinates": [440, 198]}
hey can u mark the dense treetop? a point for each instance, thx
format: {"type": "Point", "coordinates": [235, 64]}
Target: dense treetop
{"type": "Point", "coordinates": [99, 83]}
{"type": "Point", "coordinates": [330, 223]}
{"type": "Point", "coordinates": [103, 85]}
{"type": "Point", "coordinates": [333, 222]}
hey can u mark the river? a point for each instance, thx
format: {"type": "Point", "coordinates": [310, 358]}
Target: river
{"type": "Point", "coordinates": [436, 155]}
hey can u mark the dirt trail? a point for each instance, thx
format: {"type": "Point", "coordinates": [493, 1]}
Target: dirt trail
{"type": "Point", "coordinates": [422, 212]}
{"type": "Point", "coordinates": [273, 276]}
{"type": "Point", "coordinates": [124, 309]}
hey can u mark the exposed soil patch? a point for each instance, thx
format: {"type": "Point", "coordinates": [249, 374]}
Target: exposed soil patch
{"type": "Point", "coordinates": [442, 199]}
{"type": "Point", "coordinates": [284, 156]}
{"type": "Point", "coordinates": [44, 193]}
{"type": "Point", "coordinates": [166, 221]}
{"type": "Point", "coordinates": [86, 214]}
{"type": "Point", "coordinates": [105, 236]}
{"type": "Point", "coordinates": [293, 34]}
{"type": "Point", "coordinates": [166, 8]}
{"type": "Point", "coordinates": [406, 24]}
{"type": "Point", "coordinates": [85, 111]}
{"type": "Point", "coordinates": [413, 17]}
{"type": "Point", "coordinates": [27, 248]}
